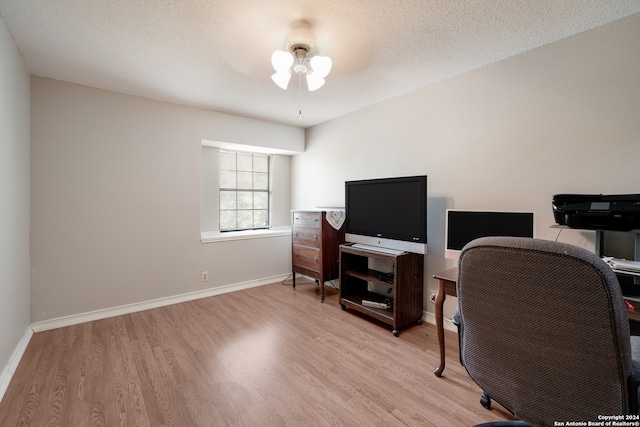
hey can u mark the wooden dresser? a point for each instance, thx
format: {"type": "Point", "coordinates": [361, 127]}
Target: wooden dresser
{"type": "Point", "coordinates": [315, 247]}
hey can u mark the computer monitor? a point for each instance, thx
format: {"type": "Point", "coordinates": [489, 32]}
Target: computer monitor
{"type": "Point", "coordinates": [463, 226]}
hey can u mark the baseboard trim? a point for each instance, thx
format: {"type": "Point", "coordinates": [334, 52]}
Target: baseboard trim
{"type": "Point", "coordinates": [14, 361]}
{"type": "Point", "coordinates": [446, 324]}
{"type": "Point", "coordinates": [146, 305]}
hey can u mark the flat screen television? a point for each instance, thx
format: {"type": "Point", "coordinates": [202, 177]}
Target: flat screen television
{"type": "Point", "coordinates": [463, 226]}
{"type": "Point", "coordinates": [389, 208]}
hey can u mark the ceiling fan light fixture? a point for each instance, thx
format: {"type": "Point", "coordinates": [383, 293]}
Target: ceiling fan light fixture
{"type": "Point", "coordinates": [299, 58]}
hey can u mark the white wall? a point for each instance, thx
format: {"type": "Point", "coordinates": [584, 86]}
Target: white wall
{"type": "Point", "coordinates": [564, 118]}
{"type": "Point", "coordinates": [116, 201]}
{"type": "Point", "coordinates": [14, 201]}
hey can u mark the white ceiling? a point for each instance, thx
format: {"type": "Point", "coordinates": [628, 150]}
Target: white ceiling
{"type": "Point", "coordinates": [215, 54]}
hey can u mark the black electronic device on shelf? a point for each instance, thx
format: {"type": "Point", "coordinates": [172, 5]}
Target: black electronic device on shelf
{"type": "Point", "coordinates": [385, 277]}
{"type": "Point", "coordinates": [597, 211]}
{"type": "Point", "coordinates": [605, 213]}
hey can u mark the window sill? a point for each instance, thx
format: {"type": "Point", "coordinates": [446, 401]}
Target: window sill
{"type": "Point", "coordinates": [216, 236]}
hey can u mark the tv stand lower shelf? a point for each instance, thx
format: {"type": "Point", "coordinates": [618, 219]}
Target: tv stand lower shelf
{"type": "Point", "coordinates": [356, 302]}
{"type": "Point", "coordinates": [404, 284]}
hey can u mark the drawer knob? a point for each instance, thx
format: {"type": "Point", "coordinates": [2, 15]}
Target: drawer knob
{"type": "Point", "coordinates": [315, 237]}
{"type": "Point", "coordinates": [315, 260]}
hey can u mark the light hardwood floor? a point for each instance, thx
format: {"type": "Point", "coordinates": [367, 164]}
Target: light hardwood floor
{"type": "Point", "coordinates": [266, 356]}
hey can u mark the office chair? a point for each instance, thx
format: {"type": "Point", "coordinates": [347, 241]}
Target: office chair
{"type": "Point", "coordinates": [544, 331]}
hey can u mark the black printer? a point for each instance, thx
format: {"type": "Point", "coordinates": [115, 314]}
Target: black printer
{"type": "Point", "coordinates": [597, 212]}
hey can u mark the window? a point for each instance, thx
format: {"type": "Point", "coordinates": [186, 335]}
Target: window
{"type": "Point", "coordinates": [278, 202]}
{"type": "Point", "coordinates": [244, 191]}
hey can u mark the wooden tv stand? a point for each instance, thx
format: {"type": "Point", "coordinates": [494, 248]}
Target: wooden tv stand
{"type": "Point", "coordinates": [405, 282]}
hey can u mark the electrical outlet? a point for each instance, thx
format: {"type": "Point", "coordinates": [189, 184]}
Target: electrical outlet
{"type": "Point", "coordinates": [205, 276]}
{"type": "Point", "coordinates": [433, 298]}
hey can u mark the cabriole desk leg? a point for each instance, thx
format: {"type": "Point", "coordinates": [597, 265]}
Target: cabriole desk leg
{"type": "Point", "coordinates": [439, 303]}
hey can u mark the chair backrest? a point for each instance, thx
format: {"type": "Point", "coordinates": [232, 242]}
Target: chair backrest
{"type": "Point", "coordinates": [545, 329]}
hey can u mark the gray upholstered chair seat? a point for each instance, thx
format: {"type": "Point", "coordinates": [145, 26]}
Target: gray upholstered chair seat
{"type": "Point", "coordinates": [544, 330]}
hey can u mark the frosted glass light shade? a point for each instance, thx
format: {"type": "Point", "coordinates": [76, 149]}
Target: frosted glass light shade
{"type": "Point", "coordinates": [321, 65]}
{"type": "Point", "coordinates": [314, 81]}
{"type": "Point", "coordinates": [281, 79]}
{"type": "Point", "coordinates": [281, 61]}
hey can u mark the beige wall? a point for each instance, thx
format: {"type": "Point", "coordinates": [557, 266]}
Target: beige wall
{"type": "Point", "coordinates": [116, 201]}
{"type": "Point", "coordinates": [14, 201]}
{"type": "Point", "coordinates": [564, 118]}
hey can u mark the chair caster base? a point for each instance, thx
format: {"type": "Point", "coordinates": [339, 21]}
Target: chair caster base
{"type": "Point", "coordinates": [485, 401]}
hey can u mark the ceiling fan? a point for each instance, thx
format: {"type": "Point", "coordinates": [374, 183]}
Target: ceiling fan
{"type": "Point", "coordinates": [299, 57]}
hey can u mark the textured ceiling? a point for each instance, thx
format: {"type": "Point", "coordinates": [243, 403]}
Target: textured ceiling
{"type": "Point", "coordinates": [215, 54]}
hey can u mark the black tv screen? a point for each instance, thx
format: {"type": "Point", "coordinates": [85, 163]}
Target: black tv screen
{"type": "Point", "coordinates": [391, 208]}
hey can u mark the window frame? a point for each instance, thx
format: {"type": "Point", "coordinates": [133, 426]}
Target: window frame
{"type": "Point", "coordinates": [238, 189]}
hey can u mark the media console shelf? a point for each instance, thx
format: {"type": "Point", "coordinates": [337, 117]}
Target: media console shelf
{"type": "Point", "coordinates": [404, 282]}
{"type": "Point", "coordinates": [629, 280]}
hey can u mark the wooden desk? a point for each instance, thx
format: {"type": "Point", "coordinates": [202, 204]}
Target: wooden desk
{"type": "Point", "coordinates": [447, 286]}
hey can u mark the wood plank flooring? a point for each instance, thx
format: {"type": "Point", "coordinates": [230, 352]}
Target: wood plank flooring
{"type": "Point", "coordinates": [266, 356]}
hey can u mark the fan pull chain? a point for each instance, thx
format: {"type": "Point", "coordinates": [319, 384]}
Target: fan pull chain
{"type": "Point", "coordinates": [299, 96]}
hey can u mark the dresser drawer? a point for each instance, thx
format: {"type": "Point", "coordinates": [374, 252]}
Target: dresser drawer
{"type": "Point", "coordinates": [309, 258]}
{"type": "Point", "coordinates": [307, 236]}
{"type": "Point", "coordinates": [307, 219]}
